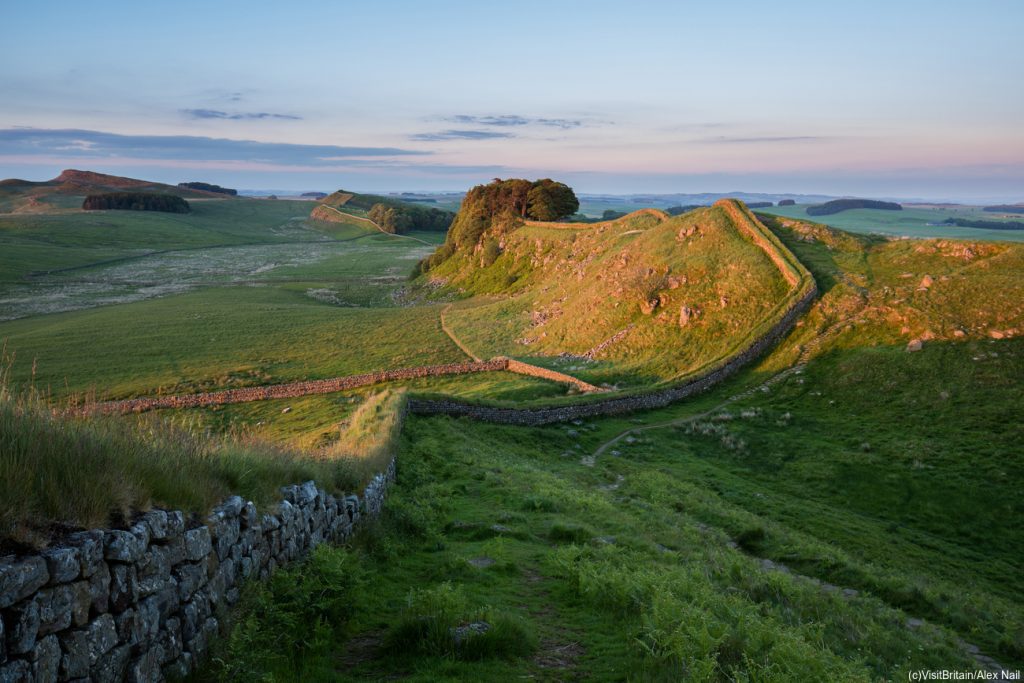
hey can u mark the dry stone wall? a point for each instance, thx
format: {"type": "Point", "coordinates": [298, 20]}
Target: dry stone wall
{"type": "Point", "coordinates": [623, 404]}
{"type": "Point", "coordinates": [142, 603]}
{"type": "Point", "coordinates": [293, 389]}
{"type": "Point", "coordinates": [326, 386]}
{"type": "Point", "coordinates": [521, 368]}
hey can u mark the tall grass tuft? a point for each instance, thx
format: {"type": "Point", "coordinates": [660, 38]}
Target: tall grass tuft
{"type": "Point", "coordinates": [58, 472]}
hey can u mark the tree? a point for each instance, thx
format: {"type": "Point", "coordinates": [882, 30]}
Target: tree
{"type": "Point", "coordinates": [549, 201]}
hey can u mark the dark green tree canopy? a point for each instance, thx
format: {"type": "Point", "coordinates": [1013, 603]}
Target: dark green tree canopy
{"type": "Point", "coordinates": [503, 204]}
{"type": "Point", "coordinates": [549, 201]}
{"type": "Point", "coordinates": [136, 201]}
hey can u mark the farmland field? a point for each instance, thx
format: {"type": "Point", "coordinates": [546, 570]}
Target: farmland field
{"type": "Point", "coordinates": [912, 221]}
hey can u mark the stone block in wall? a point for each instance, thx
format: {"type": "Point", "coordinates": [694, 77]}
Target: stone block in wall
{"type": "Point", "coordinates": [112, 666]}
{"type": "Point", "coordinates": [45, 660]}
{"type": "Point", "coordinates": [190, 578]}
{"type": "Point", "coordinates": [225, 532]}
{"type": "Point", "coordinates": [90, 550]}
{"type": "Point", "coordinates": [175, 525]}
{"type": "Point", "coordinates": [21, 578]}
{"type": "Point", "coordinates": [129, 627]}
{"type": "Point", "coordinates": [154, 570]}
{"type": "Point", "coordinates": [99, 588]}
{"type": "Point", "coordinates": [22, 627]}
{"type": "Point", "coordinates": [124, 587]}
{"type": "Point", "coordinates": [55, 606]}
{"type": "Point", "coordinates": [146, 667]}
{"type": "Point", "coordinates": [102, 635]}
{"type": "Point", "coordinates": [63, 564]}
{"type": "Point", "coordinates": [170, 640]}
{"type": "Point", "coordinates": [269, 523]}
{"type": "Point", "coordinates": [249, 517]}
{"type": "Point", "coordinates": [74, 661]}
{"type": "Point", "coordinates": [197, 544]}
{"type": "Point", "coordinates": [81, 602]}
{"type": "Point", "coordinates": [123, 546]}
{"type": "Point", "coordinates": [16, 671]}
{"type": "Point", "coordinates": [156, 521]}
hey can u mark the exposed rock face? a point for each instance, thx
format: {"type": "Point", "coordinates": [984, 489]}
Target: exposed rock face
{"type": "Point", "coordinates": [686, 314]}
{"type": "Point", "coordinates": [141, 604]}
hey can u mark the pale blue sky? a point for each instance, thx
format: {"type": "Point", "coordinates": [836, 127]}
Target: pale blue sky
{"type": "Point", "coordinates": [897, 98]}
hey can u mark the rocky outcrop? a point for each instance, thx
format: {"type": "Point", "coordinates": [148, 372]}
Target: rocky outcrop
{"type": "Point", "coordinates": [142, 603]}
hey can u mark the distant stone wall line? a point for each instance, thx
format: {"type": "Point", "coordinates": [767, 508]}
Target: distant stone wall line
{"type": "Point", "coordinates": [746, 221]}
{"type": "Point", "coordinates": [289, 390]}
{"type": "Point", "coordinates": [324, 386]}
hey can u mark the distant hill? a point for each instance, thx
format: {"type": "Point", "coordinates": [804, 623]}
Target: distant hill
{"type": "Point", "coordinates": [208, 187]}
{"type": "Point", "coordinates": [314, 195]}
{"type": "Point", "coordinates": [837, 205]}
{"type": "Point", "coordinates": [67, 191]}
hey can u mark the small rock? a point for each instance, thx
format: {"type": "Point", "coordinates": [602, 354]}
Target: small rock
{"type": "Point", "coordinates": [481, 562]}
{"type": "Point", "coordinates": [461, 633]}
{"type": "Point", "coordinates": [914, 345]}
{"type": "Point", "coordinates": [286, 410]}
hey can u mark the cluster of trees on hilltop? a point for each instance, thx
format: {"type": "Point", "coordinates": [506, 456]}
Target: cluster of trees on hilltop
{"type": "Point", "coordinates": [759, 205]}
{"type": "Point", "coordinates": [787, 202]}
{"type": "Point", "coordinates": [540, 200]}
{"type": "Point", "coordinates": [208, 187]}
{"type": "Point", "coordinates": [503, 204]}
{"type": "Point", "coordinates": [837, 205]}
{"type": "Point", "coordinates": [136, 201]}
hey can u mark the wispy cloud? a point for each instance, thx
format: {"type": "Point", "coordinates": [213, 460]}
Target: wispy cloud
{"type": "Point", "coordinates": [514, 120]}
{"type": "Point", "coordinates": [459, 135]}
{"type": "Point", "coordinates": [768, 138]}
{"type": "Point", "coordinates": [96, 145]}
{"type": "Point", "coordinates": [236, 116]}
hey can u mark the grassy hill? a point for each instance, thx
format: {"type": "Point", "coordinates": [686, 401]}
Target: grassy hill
{"type": "Point", "coordinates": [66, 191]}
{"type": "Point", "coordinates": [638, 300]}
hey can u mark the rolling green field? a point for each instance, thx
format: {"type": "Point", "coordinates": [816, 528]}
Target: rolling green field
{"type": "Point", "coordinates": [912, 221]}
{"type": "Point", "coordinates": [842, 510]}
{"type": "Point", "coordinates": [820, 530]}
{"type": "Point", "coordinates": [146, 303]}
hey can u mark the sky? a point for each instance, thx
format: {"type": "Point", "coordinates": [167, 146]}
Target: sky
{"type": "Point", "coordinates": [901, 98]}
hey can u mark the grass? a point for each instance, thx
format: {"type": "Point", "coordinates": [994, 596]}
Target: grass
{"type": "Point", "coordinates": [649, 564]}
{"type": "Point", "coordinates": [218, 338]}
{"type": "Point", "coordinates": [92, 473]}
